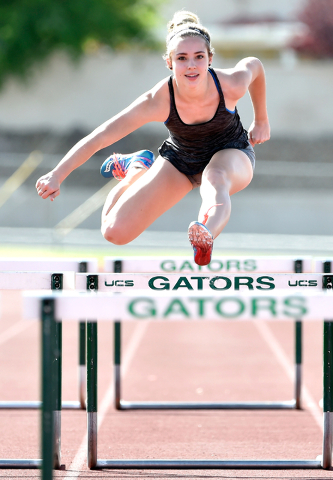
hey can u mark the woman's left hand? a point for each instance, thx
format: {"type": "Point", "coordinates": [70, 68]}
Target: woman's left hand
{"type": "Point", "coordinates": [259, 132]}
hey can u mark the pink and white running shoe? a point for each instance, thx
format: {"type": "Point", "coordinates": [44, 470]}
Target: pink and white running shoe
{"type": "Point", "coordinates": [201, 240]}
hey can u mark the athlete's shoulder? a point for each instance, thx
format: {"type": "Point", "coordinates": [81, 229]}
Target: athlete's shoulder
{"type": "Point", "coordinates": [232, 86]}
{"type": "Point", "coordinates": [158, 99]}
{"type": "Point", "coordinates": [160, 87]}
{"type": "Point", "coordinates": [236, 80]}
{"type": "Point", "coordinates": [242, 68]}
{"type": "Point", "coordinates": [225, 76]}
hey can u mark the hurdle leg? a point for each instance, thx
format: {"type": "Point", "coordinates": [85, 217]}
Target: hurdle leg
{"type": "Point", "coordinates": [92, 393]}
{"type": "Point", "coordinates": [48, 380]}
{"type": "Point", "coordinates": [57, 393]}
{"type": "Point", "coordinates": [298, 268]}
{"type": "Point", "coordinates": [117, 268]}
{"type": "Point", "coordinates": [83, 267]}
{"type": "Point", "coordinates": [117, 362]}
{"type": "Point", "coordinates": [57, 284]}
{"type": "Point", "coordinates": [298, 363]}
{"type": "Point", "coordinates": [328, 395]}
{"type": "Point", "coordinates": [82, 365]}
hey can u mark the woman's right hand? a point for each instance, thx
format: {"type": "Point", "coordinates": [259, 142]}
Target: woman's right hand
{"type": "Point", "coordinates": [48, 186]}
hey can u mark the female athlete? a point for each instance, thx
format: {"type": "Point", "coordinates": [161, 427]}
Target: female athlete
{"type": "Point", "coordinates": [207, 145]}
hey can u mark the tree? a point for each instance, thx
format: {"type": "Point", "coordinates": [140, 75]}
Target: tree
{"type": "Point", "coordinates": [317, 41]}
{"type": "Point", "coordinates": [31, 30]}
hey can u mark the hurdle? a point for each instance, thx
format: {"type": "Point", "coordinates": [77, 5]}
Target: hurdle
{"type": "Point", "coordinates": [206, 305]}
{"type": "Point", "coordinates": [26, 264]}
{"type": "Point", "coordinates": [323, 264]}
{"type": "Point", "coordinates": [219, 265]}
{"type": "Point", "coordinates": [12, 280]}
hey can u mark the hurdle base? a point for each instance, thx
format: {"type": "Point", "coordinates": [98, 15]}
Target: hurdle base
{"type": "Point", "coordinates": [284, 405]}
{"type": "Point", "coordinates": [208, 464]}
{"type": "Point", "coordinates": [13, 405]}
{"type": "Point", "coordinates": [20, 463]}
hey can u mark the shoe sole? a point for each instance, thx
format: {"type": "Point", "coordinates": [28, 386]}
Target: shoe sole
{"type": "Point", "coordinates": [202, 242]}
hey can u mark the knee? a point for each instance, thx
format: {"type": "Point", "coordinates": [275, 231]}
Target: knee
{"type": "Point", "coordinates": [114, 235]}
{"type": "Point", "coordinates": [217, 177]}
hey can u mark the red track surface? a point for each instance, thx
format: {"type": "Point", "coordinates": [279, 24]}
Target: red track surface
{"type": "Point", "coordinates": [175, 361]}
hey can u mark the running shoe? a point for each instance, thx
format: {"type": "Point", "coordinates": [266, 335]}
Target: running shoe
{"type": "Point", "coordinates": [202, 242]}
{"type": "Point", "coordinates": [117, 165]}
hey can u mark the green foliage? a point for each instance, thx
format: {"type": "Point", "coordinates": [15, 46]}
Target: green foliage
{"type": "Point", "coordinates": [31, 30]}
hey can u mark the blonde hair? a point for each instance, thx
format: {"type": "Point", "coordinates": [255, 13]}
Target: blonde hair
{"type": "Point", "coordinates": [186, 24]}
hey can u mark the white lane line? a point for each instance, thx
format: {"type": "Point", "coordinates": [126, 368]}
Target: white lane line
{"type": "Point", "coordinates": [269, 337]}
{"type": "Point", "coordinates": [80, 458]}
{"type": "Point", "coordinates": [14, 330]}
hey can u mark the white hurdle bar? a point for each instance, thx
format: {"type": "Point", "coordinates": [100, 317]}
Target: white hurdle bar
{"type": "Point", "coordinates": [173, 306]}
{"type": "Point", "coordinates": [218, 266]}
{"type": "Point", "coordinates": [55, 265]}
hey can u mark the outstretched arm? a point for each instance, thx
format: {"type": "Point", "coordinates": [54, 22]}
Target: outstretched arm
{"type": "Point", "coordinates": [147, 108]}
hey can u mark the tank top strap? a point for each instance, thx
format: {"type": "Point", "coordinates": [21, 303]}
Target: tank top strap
{"type": "Point", "coordinates": [170, 85]}
{"type": "Point", "coordinates": [172, 100]}
{"type": "Point", "coordinates": [218, 86]}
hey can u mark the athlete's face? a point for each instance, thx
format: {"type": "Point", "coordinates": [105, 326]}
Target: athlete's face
{"type": "Point", "coordinates": [189, 59]}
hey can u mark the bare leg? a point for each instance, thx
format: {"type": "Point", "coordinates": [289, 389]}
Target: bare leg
{"type": "Point", "coordinates": [132, 175]}
{"type": "Point", "coordinates": [126, 216]}
{"type": "Point", "coordinates": [228, 172]}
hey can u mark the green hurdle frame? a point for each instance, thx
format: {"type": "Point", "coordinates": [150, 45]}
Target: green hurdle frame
{"type": "Point", "coordinates": [68, 405]}
{"type": "Point", "coordinates": [92, 346]}
{"type": "Point", "coordinates": [53, 399]}
{"type": "Point", "coordinates": [48, 317]}
{"type": "Point", "coordinates": [51, 415]}
{"type": "Point", "coordinates": [295, 403]}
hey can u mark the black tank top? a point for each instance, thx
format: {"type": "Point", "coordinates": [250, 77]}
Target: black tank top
{"type": "Point", "coordinates": [190, 147]}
